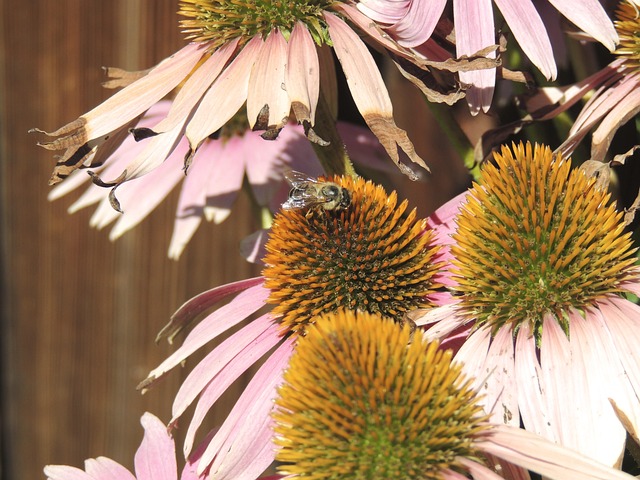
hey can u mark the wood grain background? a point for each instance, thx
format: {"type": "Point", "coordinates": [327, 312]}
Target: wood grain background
{"type": "Point", "coordinates": [79, 313]}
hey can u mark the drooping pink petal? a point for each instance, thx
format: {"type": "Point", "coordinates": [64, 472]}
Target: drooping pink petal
{"type": "Point", "coordinates": [103, 468]}
{"type": "Point", "coordinates": [225, 183]}
{"type": "Point", "coordinates": [225, 97]}
{"type": "Point", "coordinates": [221, 367]}
{"type": "Point", "coordinates": [384, 11]}
{"type": "Point", "coordinates": [195, 86]}
{"type": "Point", "coordinates": [252, 247]}
{"type": "Point", "coordinates": [156, 457]}
{"type": "Point", "coordinates": [530, 388]}
{"type": "Point", "coordinates": [544, 457]}
{"type": "Point", "coordinates": [243, 305]}
{"type": "Point", "coordinates": [473, 21]}
{"type": "Point", "coordinates": [190, 209]}
{"type": "Point", "coordinates": [619, 115]}
{"type": "Point", "coordinates": [217, 386]}
{"type": "Point", "coordinates": [63, 472]}
{"type": "Point", "coordinates": [302, 74]}
{"type": "Point", "coordinates": [417, 26]}
{"type": "Point", "coordinates": [139, 200]}
{"type": "Point", "coordinates": [477, 471]}
{"type": "Point", "coordinates": [136, 98]}
{"type": "Point", "coordinates": [266, 86]}
{"type": "Point", "coordinates": [473, 355]}
{"type": "Point", "coordinates": [233, 446]}
{"type": "Point", "coordinates": [597, 432]}
{"type": "Point", "coordinates": [369, 92]}
{"type": "Point", "coordinates": [590, 17]}
{"type": "Point", "coordinates": [530, 33]}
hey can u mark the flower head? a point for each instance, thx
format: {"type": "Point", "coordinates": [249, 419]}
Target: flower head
{"type": "Point", "coordinates": [542, 263]}
{"type": "Point", "coordinates": [363, 397]}
{"type": "Point", "coordinates": [271, 57]}
{"type": "Point", "coordinates": [371, 256]}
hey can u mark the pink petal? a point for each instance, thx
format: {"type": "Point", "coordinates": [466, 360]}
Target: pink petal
{"type": "Point", "coordinates": [222, 366]}
{"type": "Point", "coordinates": [139, 199]}
{"type": "Point", "coordinates": [252, 247]}
{"type": "Point", "coordinates": [531, 390]}
{"type": "Point", "coordinates": [618, 116]}
{"type": "Point", "coordinates": [63, 472]}
{"type": "Point", "coordinates": [552, 461]}
{"type": "Point", "coordinates": [303, 74]}
{"type": "Point", "coordinates": [195, 86]}
{"type": "Point", "coordinates": [369, 92]}
{"type": "Point", "coordinates": [266, 85]}
{"type": "Point", "coordinates": [104, 468]}
{"type": "Point", "coordinates": [474, 31]}
{"type": "Point", "coordinates": [384, 11]}
{"type": "Point", "coordinates": [234, 445]}
{"type": "Point", "coordinates": [529, 31]}
{"type": "Point", "coordinates": [246, 303]}
{"type": "Point", "coordinates": [226, 180]}
{"type": "Point", "coordinates": [590, 17]}
{"type": "Point", "coordinates": [417, 26]}
{"type": "Point", "coordinates": [156, 457]}
{"type": "Point", "coordinates": [473, 355]}
{"type": "Point", "coordinates": [225, 97]}
{"type": "Point", "coordinates": [190, 209]}
{"type": "Point", "coordinates": [477, 471]}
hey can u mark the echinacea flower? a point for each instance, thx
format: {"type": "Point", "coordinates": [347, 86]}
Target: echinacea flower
{"type": "Point", "coordinates": [411, 23]}
{"type": "Point", "coordinates": [364, 397]}
{"type": "Point", "coordinates": [270, 56]}
{"type": "Point", "coordinates": [542, 264]}
{"type": "Point", "coordinates": [615, 91]}
{"type": "Point", "coordinates": [371, 256]}
{"type": "Point", "coordinates": [154, 460]}
{"type": "Point", "coordinates": [214, 178]}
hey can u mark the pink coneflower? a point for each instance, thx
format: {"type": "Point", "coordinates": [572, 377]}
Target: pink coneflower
{"type": "Point", "coordinates": [371, 256]}
{"type": "Point", "coordinates": [271, 56]}
{"type": "Point", "coordinates": [541, 266]}
{"type": "Point", "coordinates": [412, 23]}
{"type": "Point", "coordinates": [364, 397]}
{"type": "Point", "coordinates": [616, 91]}
{"type": "Point", "coordinates": [154, 460]}
{"type": "Point", "coordinates": [214, 178]}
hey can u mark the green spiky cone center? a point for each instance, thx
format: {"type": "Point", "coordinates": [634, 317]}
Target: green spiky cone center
{"type": "Point", "coordinates": [536, 238]}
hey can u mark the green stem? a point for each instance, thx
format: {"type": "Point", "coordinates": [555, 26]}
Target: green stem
{"type": "Point", "coordinates": [458, 139]}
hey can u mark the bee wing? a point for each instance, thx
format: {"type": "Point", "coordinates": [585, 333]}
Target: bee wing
{"type": "Point", "coordinates": [302, 199]}
{"type": "Point", "coordinates": [297, 178]}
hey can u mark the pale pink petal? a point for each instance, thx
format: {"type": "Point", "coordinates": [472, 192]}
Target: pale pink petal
{"type": "Point", "coordinates": [252, 247]}
{"type": "Point", "coordinates": [249, 420]}
{"type": "Point", "coordinates": [499, 388]}
{"type": "Point", "coordinates": [442, 221]}
{"type": "Point", "coordinates": [73, 181]}
{"type": "Point", "coordinates": [473, 355]}
{"type": "Point", "coordinates": [384, 11]}
{"type": "Point", "coordinates": [156, 457]}
{"type": "Point", "coordinates": [190, 209]}
{"type": "Point", "coordinates": [477, 470]}
{"type": "Point", "coordinates": [202, 302]}
{"type": "Point", "coordinates": [225, 180]}
{"type": "Point", "coordinates": [223, 365]}
{"type": "Point", "coordinates": [444, 320]}
{"type": "Point", "coordinates": [264, 161]}
{"type": "Point", "coordinates": [529, 31]}
{"type": "Point", "coordinates": [266, 86]}
{"type": "Point", "coordinates": [216, 323]}
{"type": "Point", "coordinates": [530, 388]}
{"type": "Point", "coordinates": [225, 97]}
{"type": "Point", "coordinates": [302, 72]}
{"type": "Point", "coordinates": [104, 468]}
{"type": "Point", "coordinates": [474, 31]}
{"type": "Point", "coordinates": [63, 472]}
{"type": "Point", "coordinates": [598, 434]}
{"type": "Point", "coordinates": [416, 27]}
{"type": "Point", "coordinates": [537, 454]}
{"type": "Point", "coordinates": [254, 350]}
{"type": "Point", "coordinates": [618, 116]}
{"type": "Point", "coordinates": [138, 200]}
{"type": "Point", "coordinates": [134, 99]}
{"type": "Point", "coordinates": [195, 86]}
{"type": "Point", "coordinates": [369, 92]}
{"type": "Point", "coordinates": [590, 17]}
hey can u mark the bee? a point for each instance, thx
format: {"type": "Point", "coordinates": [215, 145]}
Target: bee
{"type": "Point", "coordinates": [311, 193]}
